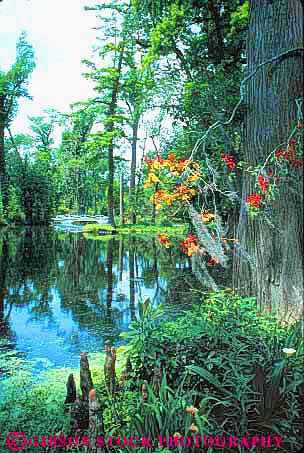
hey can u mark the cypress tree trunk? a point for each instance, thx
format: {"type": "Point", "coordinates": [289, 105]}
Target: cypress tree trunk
{"type": "Point", "coordinates": [274, 274]}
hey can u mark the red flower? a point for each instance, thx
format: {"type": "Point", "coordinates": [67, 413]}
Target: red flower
{"type": "Point", "coordinates": [292, 142]}
{"type": "Point", "coordinates": [160, 159]}
{"type": "Point", "coordinates": [297, 163]}
{"type": "Point", "coordinates": [192, 238]}
{"type": "Point", "coordinates": [270, 173]}
{"type": "Point", "coordinates": [263, 183]}
{"type": "Point", "coordinates": [290, 154]}
{"type": "Point", "coordinates": [277, 179]}
{"type": "Point", "coordinates": [280, 152]}
{"type": "Point", "coordinates": [254, 200]}
{"type": "Point", "coordinates": [229, 159]}
{"type": "Point", "coordinates": [190, 245]}
{"type": "Point", "coordinates": [149, 161]}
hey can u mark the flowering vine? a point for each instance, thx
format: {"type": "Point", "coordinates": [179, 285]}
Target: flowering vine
{"type": "Point", "coordinates": [284, 159]}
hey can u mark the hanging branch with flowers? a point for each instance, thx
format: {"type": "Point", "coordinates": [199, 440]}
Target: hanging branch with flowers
{"type": "Point", "coordinates": [177, 181]}
{"type": "Point", "coordinates": [174, 183]}
{"type": "Point", "coordinates": [283, 164]}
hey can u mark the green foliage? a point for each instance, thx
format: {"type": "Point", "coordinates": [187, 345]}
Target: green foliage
{"type": "Point", "coordinates": [31, 408]}
{"type": "Point", "coordinates": [231, 357]}
{"type": "Point", "coordinates": [13, 84]}
{"type": "Point", "coordinates": [38, 197]}
{"type": "Point", "coordinates": [14, 212]}
{"type": "Point", "coordinates": [1, 209]}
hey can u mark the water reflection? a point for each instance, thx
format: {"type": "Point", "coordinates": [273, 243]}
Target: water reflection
{"type": "Point", "coordinates": [62, 293]}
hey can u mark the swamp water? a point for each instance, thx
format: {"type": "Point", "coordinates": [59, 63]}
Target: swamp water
{"type": "Point", "coordinates": [61, 293]}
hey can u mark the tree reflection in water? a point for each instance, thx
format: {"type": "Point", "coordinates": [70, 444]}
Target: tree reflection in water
{"type": "Point", "coordinates": [62, 293]}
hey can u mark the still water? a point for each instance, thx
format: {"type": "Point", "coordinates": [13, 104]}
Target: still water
{"type": "Point", "coordinates": [61, 294]}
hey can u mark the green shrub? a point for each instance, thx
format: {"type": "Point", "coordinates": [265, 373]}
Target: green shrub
{"type": "Point", "coordinates": [230, 357]}
{"type": "Point", "coordinates": [14, 211]}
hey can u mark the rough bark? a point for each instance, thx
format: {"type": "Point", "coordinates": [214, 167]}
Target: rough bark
{"type": "Point", "coordinates": [96, 425]}
{"type": "Point", "coordinates": [274, 273]}
{"type": "Point", "coordinates": [71, 390]}
{"type": "Point", "coordinates": [86, 383]}
{"type": "Point", "coordinates": [125, 374]}
{"type": "Point", "coordinates": [109, 368]}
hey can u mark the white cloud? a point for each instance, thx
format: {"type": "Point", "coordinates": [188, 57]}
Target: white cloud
{"type": "Point", "coordinates": [62, 35]}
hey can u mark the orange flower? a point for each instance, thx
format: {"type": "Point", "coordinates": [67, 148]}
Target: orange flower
{"type": "Point", "coordinates": [193, 429]}
{"type": "Point", "coordinates": [194, 176]}
{"type": "Point", "coordinates": [178, 435]}
{"type": "Point", "coordinates": [192, 410]}
{"type": "Point", "coordinates": [190, 245]}
{"type": "Point", "coordinates": [184, 193]}
{"type": "Point", "coordinates": [164, 240]}
{"type": "Point", "coordinates": [213, 261]}
{"type": "Point", "coordinates": [182, 164]}
{"type": "Point", "coordinates": [206, 216]}
{"type": "Point", "coordinates": [193, 248]}
{"type": "Point", "coordinates": [149, 161]}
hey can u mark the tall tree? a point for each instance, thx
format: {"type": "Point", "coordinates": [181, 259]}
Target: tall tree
{"type": "Point", "coordinates": [13, 85]}
{"type": "Point", "coordinates": [108, 84]}
{"type": "Point", "coordinates": [137, 91]}
{"type": "Point", "coordinates": [274, 94]}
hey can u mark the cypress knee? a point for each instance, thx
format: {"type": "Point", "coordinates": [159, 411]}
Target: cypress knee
{"type": "Point", "coordinates": [86, 383]}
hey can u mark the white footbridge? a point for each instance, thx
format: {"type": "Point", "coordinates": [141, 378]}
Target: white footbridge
{"type": "Point", "coordinates": [77, 222]}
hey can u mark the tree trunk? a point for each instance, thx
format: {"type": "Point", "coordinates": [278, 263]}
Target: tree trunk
{"type": "Point", "coordinates": [110, 128]}
{"type": "Point", "coordinates": [274, 273]}
{"type": "Point", "coordinates": [133, 171]}
{"type": "Point", "coordinates": [111, 184]}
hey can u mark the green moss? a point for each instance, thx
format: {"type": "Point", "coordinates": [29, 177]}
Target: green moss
{"type": "Point", "coordinates": [36, 405]}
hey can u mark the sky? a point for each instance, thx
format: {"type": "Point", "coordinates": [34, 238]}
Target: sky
{"type": "Point", "coordinates": [62, 34]}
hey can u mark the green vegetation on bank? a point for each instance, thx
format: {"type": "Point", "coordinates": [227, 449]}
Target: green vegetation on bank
{"type": "Point", "coordinates": [221, 368]}
{"type": "Point", "coordinates": [93, 229]}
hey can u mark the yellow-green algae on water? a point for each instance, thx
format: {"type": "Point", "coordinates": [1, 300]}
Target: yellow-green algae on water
{"type": "Point", "coordinates": [90, 231]}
